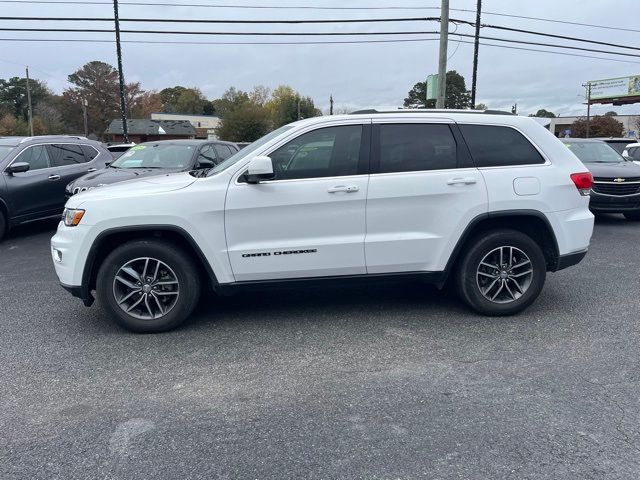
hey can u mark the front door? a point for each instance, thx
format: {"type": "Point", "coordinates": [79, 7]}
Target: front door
{"type": "Point", "coordinates": [423, 192]}
{"type": "Point", "coordinates": [39, 192]}
{"type": "Point", "coordinates": [310, 220]}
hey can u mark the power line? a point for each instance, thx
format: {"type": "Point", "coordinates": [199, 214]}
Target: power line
{"type": "Point", "coordinates": [328, 42]}
{"type": "Point", "coordinates": [204, 5]}
{"type": "Point", "coordinates": [191, 20]}
{"type": "Point", "coordinates": [311, 34]}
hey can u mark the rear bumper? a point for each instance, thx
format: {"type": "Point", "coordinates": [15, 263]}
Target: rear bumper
{"type": "Point", "coordinates": [570, 259]}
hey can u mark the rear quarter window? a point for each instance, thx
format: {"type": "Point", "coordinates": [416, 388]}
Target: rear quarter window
{"type": "Point", "coordinates": [498, 146]}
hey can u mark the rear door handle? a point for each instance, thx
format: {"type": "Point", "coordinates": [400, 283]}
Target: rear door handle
{"type": "Point", "coordinates": [461, 181]}
{"type": "Point", "coordinates": [344, 188]}
{"type": "Point", "coordinates": [54, 177]}
{"type": "Point", "coordinates": [91, 170]}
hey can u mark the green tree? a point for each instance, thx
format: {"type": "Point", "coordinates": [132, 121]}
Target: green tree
{"type": "Point", "coordinates": [599, 126]}
{"type": "Point", "coordinates": [542, 113]}
{"type": "Point", "coordinates": [169, 97]}
{"type": "Point", "coordinates": [230, 101]}
{"type": "Point", "coordinates": [457, 95]}
{"type": "Point", "coordinates": [181, 99]}
{"type": "Point", "coordinates": [285, 103]}
{"type": "Point", "coordinates": [481, 106]}
{"type": "Point", "coordinates": [611, 113]}
{"type": "Point", "coordinates": [13, 95]}
{"type": "Point", "coordinates": [246, 123]}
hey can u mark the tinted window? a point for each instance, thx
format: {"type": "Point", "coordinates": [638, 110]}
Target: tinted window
{"type": "Point", "coordinates": [493, 146]}
{"type": "Point", "coordinates": [618, 146]}
{"type": "Point", "coordinates": [594, 152]}
{"type": "Point", "coordinates": [326, 152]}
{"type": "Point", "coordinates": [89, 152]}
{"type": "Point", "coordinates": [634, 153]}
{"type": "Point", "coordinates": [415, 147]}
{"type": "Point", "coordinates": [37, 157]}
{"type": "Point", "coordinates": [223, 151]}
{"type": "Point", "coordinates": [207, 154]}
{"type": "Point", "coordinates": [66, 154]}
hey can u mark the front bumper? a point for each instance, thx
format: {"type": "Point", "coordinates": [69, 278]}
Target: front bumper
{"type": "Point", "coordinates": [614, 203]}
{"type": "Point", "coordinates": [69, 251]}
{"type": "Point", "coordinates": [82, 293]}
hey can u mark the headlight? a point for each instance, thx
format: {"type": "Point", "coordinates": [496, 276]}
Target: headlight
{"type": "Point", "coordinates": [72, 216]}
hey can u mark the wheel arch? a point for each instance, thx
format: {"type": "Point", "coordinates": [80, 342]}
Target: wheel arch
{"type": "Point", "coordinates": [530, 222]}
{"type": "Point", "coordinates": [107, 240]}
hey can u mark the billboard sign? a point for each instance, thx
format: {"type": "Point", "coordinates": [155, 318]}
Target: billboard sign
{"type": "Point", "coordinates": [611, 88]}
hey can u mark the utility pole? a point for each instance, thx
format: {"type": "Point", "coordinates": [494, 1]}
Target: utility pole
{"type": "Point", "coordinates": [331, 105]}
{"type": "Point", "coordinates": [30, 111]}
{"type": "Point", "coordinates": [298, 101]}
{"type": "Point", "coordinates": [588, 87]}
{"type": "Point", "coordinates": [442, 61]}
{"type": "Point", "coordinates": [123, 112]}
{"type": "Point", "coordinates": [84, 116]}
{"type": "Point", "coordinates": [476, 46]}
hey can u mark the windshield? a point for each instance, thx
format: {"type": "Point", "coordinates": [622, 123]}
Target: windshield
{"type": "Point", "coordinates": [248, 150]}
{"type": "Point", "coordinates": [159, 155]}
{"type": "Point", "coordinates": [4, 150]}
{"type": "Point", "coordinates": [595, 152]}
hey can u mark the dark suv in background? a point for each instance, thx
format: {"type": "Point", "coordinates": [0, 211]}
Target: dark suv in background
{"type": "Point", "coordinates": [35, 172]}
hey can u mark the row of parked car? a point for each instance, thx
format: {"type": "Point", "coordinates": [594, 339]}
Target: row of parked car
{"type": "Point", "coordinates": [41, 173]}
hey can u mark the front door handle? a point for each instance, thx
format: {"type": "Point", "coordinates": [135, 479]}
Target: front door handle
{"type": "Point", "coordinates": [344, 188]}
{"type": "Point", "coordinates": [461, 181]}
{"type": "Point", "coordinates": [54, 177]}
{"type": "Point", "coordinates": [91, 170]}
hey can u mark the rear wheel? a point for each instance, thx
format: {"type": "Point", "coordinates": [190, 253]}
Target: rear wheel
{"type": "Point", "coordinates": [148, 285]}
{"type": "Point", "coordinates": [501, 273]}
{"type": "Point", "coordinates": [634, 216]}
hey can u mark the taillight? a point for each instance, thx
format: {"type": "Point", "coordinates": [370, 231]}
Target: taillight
{"type": "Point", "coordinates": [583, 182]}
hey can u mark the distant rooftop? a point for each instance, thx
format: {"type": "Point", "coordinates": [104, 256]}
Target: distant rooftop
{"type": "Point", "coordinates": [152, 127]}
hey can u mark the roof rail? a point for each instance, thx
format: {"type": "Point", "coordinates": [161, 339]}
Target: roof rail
{"type": "Point", "coordinates": [37, 137]}
{"type": "Point", "coordinates": [370, 111]}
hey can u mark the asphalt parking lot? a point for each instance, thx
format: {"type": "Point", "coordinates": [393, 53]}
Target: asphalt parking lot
{"type": "Point", "coordinates": [378, 382]}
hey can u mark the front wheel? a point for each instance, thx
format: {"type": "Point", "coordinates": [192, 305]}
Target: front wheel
{"type": "Point", "coordinates": [148, 286]}
{"type": "Point", "coordinates": [501, 273]}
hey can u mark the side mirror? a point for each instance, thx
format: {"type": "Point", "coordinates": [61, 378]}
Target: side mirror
{"type": "Point", "coordinates": [260, 168]}
{"type": "Point", "coordinates": [204, 163]}
{"type": "Point", "coordinates": [18, 167]}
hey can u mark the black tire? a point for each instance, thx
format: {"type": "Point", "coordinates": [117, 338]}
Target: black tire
{"type": "Point", "coordinates": [633, 216]}
{"type": "Point", "coordinates": [468, 280]}
{"type": "Point", "coordinates": [3, 225]}
{"type": "Point", "coordinates": [179, 264]}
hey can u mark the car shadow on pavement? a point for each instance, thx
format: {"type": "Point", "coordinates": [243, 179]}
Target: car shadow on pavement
{"type": "Point", "coordinates": [32, 229]}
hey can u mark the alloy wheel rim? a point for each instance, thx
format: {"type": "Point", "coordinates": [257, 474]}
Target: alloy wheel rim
{"type": "Point", "coordinates": [146, 288]}
{"type": "Point", "coordinates": [504, 274]}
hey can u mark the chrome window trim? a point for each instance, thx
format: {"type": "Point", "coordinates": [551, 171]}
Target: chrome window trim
{"type": "Point", "coordinates": [50, 167]}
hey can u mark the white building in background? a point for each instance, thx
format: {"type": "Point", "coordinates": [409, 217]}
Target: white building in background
{"type": "Point", "coordinates": [561, 126]}
{"type": "Point", "coordinates": [205, 125]}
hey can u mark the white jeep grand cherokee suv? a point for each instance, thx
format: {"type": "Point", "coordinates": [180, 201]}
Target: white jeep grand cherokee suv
{"type": "Point", "coordinates": [490, 201]}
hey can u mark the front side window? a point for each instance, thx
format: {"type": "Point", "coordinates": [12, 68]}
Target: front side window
{"type": "Point", "coordinates": [63, 154]}
{"type": "Point", "coordinates": [497, 146]}
{"type": "Point", "coordinates": [207, 156]}
{"type": "Point", "coordinates": [415, 147]}
{"type": "Point", "coordinates": [326, 152]}
{"type": "Point", "coordinates": [223, 151]}
{"type": "Point", "coordinates": [37, 157]}
{"type": "Point", "coordinates": [159, 155]}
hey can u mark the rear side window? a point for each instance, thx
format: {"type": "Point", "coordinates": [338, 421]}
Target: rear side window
{"type": "Point", "coordinates": [89, 152]}
{"type": "Point", "coordinates": [495, 146]}
{"type": "Point", "coordinates": [634, 152]}
{"type": "Point", "coordinates": [416, 147]}
{"type": "Point", "coordinates": [63, 154]}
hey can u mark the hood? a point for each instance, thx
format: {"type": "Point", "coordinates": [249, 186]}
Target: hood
{"type": "Point", "coordinates": [110, 175]}
{"type": "Point", "coordinates": [614, 170]}
{"type": "Point", "coordinates": [133, 188]}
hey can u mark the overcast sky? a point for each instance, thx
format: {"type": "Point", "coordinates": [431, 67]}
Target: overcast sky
{"type": "Point", "coordinates": [360, 75]}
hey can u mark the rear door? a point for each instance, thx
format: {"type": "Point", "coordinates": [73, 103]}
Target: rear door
{"type": "Point", "coordinates": [71, 162]}
{"type": "Point", "coordinates": [423, 192]}
{"type": "Point", "coordinates": [38, 192]}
